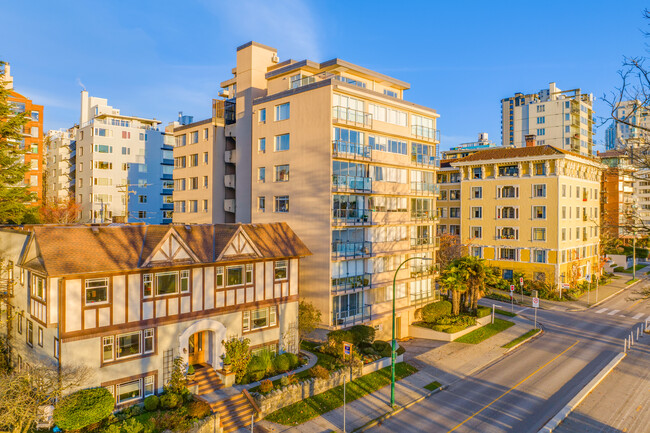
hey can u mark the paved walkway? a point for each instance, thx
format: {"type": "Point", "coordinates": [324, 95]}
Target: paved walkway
{"type": "Point", "coordinates": [435, 360]}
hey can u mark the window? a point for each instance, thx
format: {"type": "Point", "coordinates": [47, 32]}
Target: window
{"type": "Point", "coordinates": [206, 182]}
{"type": "Point", "coordinates": [509, 233]}
{"type": "Point", "coordinates": [96, 291]}
{"type": "Point", "coordinates": [507, 254]}
{"type": "Point", "coordinates": [282, 173]}
{"type": "Point", "coordinates": [540, 169]}
{"type": "Point", "coordinates": [142, 199]}
{"type": "Point", "coordinates": [280, 270]}
{"type": "Point", "coordinates": [454, 194]}
{"type": "Point", "coordinates": [540, 108]}
{"type": "Point", "coordinates": [193, 206]}
{"type": "Point", "coordinates": [220, 276]}
{"type": "Point", "coordinates": [30, 333]}
{"type": "Point", "coordinates": [476, 173]}
{"type": "Point", "coordinates": [563, 190]}
{"type": "Point", "coordinates": [261, 203]}
{"type": "Point", "coordinates": [475, 232]}
{"type": "Point", "coordinates": [454, 212]}
{"type": "Point", "coordinates": [234, 275]}
{"type": "Point", "coordinates": [539, 256]}
{"type": "Point", "coordinates": [205, 206]}
{"type": "Point", "coordinates": [281, 142]}
{"type": "Point", "coordinates": [261, 145]}
{"type": "Point", "coordinates": [282, 203]}
{"type": "Point", "coordinates": [541, 120]}
{"type": "Point", "coordinates": [539, 190]}
{"type": "Point", "coordinates": [107, 348]}
{"type": "Point", "coordinates": [194, 137]}
{"type": "Point", "coordinates": [40, 336]}
{"type": "Point", "coordinates": [38, 287]}
{"type": "Point", "coordinates": [147, 285]}
{"type": "Point", "coordinates": [56, 348]}
{"type": "Point", "coordinates": [185, 281]}
{"type": "Point", "coordinates": [205, 158]}
{"type": "Point", "coordinates": [477, 212]}
{"type": "Point", "coordinates": [390, 93]}
{"type": "Point", "coordinates": [476, 252]}
{"type": "Point", "coordinates": [181, 140]}
{"type": "Point", "coordinates": [261, 174]}
{"type": "Point", "coordinates": [509, 170]}
{"type": "Point", "coordinates": [179, 162]}
{"type": "Point", "coordinates": [564, 234]}
{"type": "Point", "coordinates": [149, 387]}
{"type": "Point", "coordinates": [148, 341]}
{"type": "Point", "coordinates": [194, 183]}
{"type": "Point", "coordinates": [128, 345]}
{"type": "Point", "coordinates": [282, 111]}
{"type": "Point", "coordinates": [166, 283]}
{"type": "Point", "coordinates": [541, 131]}
{"type": "Point", "coordinates": [206, 133]}
{"type": "Point", "coordinates": [128, 391]}
{"type": "Point", "coordinates": [194, 160]}
{"type": "Point", "coordinates": [539, 212]}
{"type": "Point", "coordinates": [262, 116]}
{"type": "Point", "coordinates": [539, 234]}
{"type": "Point", "coordinates": [19, 323]}
{"type": "Point", "coordinates": [259, 319]}
{"type": "Point", "coordinates": [477, 192]}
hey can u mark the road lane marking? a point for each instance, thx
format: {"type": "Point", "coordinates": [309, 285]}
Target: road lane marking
{"type": "Point", "coordinates": [611, 313]}
{"type": "Point", "coordinates": [515, 386]}
{"type": "Point", "coordinates": [637, 316]}
{"type": "Point", "coordinates": [601, 310]}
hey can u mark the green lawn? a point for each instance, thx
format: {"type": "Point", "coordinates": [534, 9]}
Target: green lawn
{"type": "Point", "coordinates": [632, 281]}
{"type": "Point", "coordinates": [485, 332]}
{"type": "Point", "coordinates": [504, 312]}
{"type": "Point", "coordinates": [637, 267]}
{"type": "Point", "coordinates": [432, 386]}
{"type": "Point", "coordinates": [521, 338]}
{"type": "Point", "coordinates": [317, 405]}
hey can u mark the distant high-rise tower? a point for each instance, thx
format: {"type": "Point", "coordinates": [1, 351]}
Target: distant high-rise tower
{"type": "Point", "coordinates": [619, 133]}
{"type": "Point", "coordinates": [564, 119]}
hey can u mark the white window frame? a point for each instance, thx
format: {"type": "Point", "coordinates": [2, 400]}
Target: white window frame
{"type": "Point", "coordinates": [106, 301]}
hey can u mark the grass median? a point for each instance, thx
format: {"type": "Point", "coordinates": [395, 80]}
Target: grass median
{"type": "Point", "coordinates": [317, 405]}
{"type": "Point", "coordinates": [521, 338]}
{"type": "Point", "coordinates": [504, 312]}
{"type": "Point", "coordinates": [433, 386]}
{"type": "Point", "coordinates": [485, 332]}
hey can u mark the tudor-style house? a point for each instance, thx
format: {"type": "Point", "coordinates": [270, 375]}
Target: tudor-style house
{"type": "Point", "coordinates": [125, 300]}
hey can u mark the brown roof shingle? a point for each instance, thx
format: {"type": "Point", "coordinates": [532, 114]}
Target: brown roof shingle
{"type": "Point", "coordinates": [518, 152]}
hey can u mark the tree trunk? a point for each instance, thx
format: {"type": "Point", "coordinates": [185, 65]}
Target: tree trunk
{"type": "Point", "coordinates": [455, 302]}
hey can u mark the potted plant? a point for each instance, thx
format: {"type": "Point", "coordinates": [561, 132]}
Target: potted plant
{"type": "Point", "coordinates": [227, 363]}
{"type": "Point", "coordinates": [190, 372]}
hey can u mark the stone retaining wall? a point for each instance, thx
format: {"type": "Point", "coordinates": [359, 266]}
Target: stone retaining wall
{"type": "Point", "coordinates": [430, 334]}
{"type": "Point", "coordinates": [209, 424]}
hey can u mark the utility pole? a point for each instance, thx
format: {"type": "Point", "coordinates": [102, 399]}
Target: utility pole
{"type": "Point", "coordinates": [125, 189]}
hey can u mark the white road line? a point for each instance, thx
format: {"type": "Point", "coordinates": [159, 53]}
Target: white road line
{"type": "Point", "coordinates": [611, 313]}
{"type": "Point", "coordinates": [601, 310]}
{"type": "Point", "coordinates": [637, 316]}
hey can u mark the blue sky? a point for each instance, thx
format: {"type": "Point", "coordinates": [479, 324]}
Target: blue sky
{"type": "Point", "coordinates": [155, 58]}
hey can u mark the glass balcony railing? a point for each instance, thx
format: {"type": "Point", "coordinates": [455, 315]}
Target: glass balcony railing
{"type": "Point", "coordinates": [352, 316]}
{"type": "Point", "coordinates": [356, 183]}
{"type": "Point", "coordinates": [425, 270]}
{"type": "Point", "coordinates": [348, 115]}
{"type": "Point", "coordinates": [424, 215]}
{"type": "Point", "coordinates": [342, 249]}
{"type": "Point", "coordinates": [424, 160]}
{"type": "Point", "coordinates": [346, 149]}
{"type": "Point", "coordinates": [425, 188]}
{"type": "Point", "coordinates": [429, 134]}
{"type": "Point", "coordinates": [425, 242]}
{"type": "Point", "coordinates": [348, 283]}
{"type": "Point", "coordinates": [351, 216]}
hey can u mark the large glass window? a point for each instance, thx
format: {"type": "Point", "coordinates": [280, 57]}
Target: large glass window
{"type": "Point", "coordinates": [282, 111]}
{"type": "Point", "coordinates": [166, 283]}
{"type": "Point", "coordinates": [280, 270]}
{"type": "Point", "coordinates": [234, 275]}
{"type": "Point", "coordinates": [128, 391]}
{"type": "Point", "coordinates": [282, 173]}
{"type": "Point", "coordinates": [259, 319]}
{"type": "Point", "coordinates": [128, 345]}
{"type": "Point", "coordinates": [96, 291]}
{"type": "Point", "coordinates": [281, 142]}
{"type": "Point", "coordinates": [282, 203]}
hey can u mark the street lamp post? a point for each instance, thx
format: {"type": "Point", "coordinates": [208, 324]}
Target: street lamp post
{"type": "Point", "coordinates": [394, 345]}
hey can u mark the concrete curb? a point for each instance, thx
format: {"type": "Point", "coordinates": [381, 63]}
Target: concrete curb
{"type": "Point", "coordinates": [373, 423]}
{"type": "Point", "coordinates": [575, 401]}
{"type": "Point", "coordinates": [535, 335]}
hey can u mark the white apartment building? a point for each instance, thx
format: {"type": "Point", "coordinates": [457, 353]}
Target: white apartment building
{"type": "Point", "coordinates": [563, 119]}
{"type": "Point", "coordinates": [57, 165]}
{"type": "Point", "coordinates": [619, 133]}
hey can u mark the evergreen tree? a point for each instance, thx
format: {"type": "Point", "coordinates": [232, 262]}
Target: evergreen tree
{"type": "Point", "coordinates": [15, 197]}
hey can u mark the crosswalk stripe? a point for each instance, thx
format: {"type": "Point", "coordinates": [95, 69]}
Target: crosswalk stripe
{"type": "Point", "coordinates": [611, 313]}
{"type": "Point", "coordinates": [601, 310]}
{"type": "Point", "coordinates": [637, 316]}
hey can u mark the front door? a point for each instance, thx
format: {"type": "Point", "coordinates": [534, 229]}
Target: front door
{"type": "Point", "coordinates": [196, 348]}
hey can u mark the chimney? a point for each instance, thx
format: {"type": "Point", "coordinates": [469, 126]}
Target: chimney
{"type": "Point", "coordinates": [530, 140]}
{"type": "Point", "coordinates": [8, 79]}
{"type": "Point", "coordinates": [85, 106]}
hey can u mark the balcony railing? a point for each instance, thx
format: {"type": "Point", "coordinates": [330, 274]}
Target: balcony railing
{"type": "Point", "coordinates": [350, 250]}
{"type": "Point", "coordinates": [6, 287]}
{"type": "Point", "coordinates": [344, 149]}
{"type": "Point", "coordinates": [356, 183]}
{"type": "Point", "coordinates": [425, 271]}
{"type": "Point", "coordinates": [352, 316]}
{"type": "Point", "coordinates": [350, 283]}
{"type": "Point", "coordinates": [424, 160]}
{"type": "Point", "coordinates": [348, 115]}
{"type": "Point", "coordinates": [425, 242]}
{"type": "Point", "coordinates": [429, 134]}
{"type": "Point", "coordinates": [425, 188]}
{"type": "Point", "coordinates": [351, 217]}
{"type": "Point", "coordinates": [423, 215]}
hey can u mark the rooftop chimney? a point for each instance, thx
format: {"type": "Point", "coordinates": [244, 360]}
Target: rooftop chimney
{"type": "Point", "coordinates": [530, 140]}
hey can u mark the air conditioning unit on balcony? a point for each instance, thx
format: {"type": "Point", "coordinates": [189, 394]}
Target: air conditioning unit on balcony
{"type": "Point", "coordinates": [275, 58]}
{"type": "Point", "coordinates": [224, 93]}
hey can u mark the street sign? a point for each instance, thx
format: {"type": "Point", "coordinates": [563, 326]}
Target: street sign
{"type": "Point", "coordinates": [347, 348]}
{"type": "Point", "coordinates": [521, 280]}
{"type": "Point", "coordinates": [535, 302]}
{"type": "Point", "coordinates": [566, 286]}
{"type": "Point", "coordinates": [512, 287]}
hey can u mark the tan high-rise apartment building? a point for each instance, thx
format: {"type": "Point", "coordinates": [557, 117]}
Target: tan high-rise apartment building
{"type": "Point", "coordinates": [334, 150]}
{"type": "Point", "coordinates": [563, 119]}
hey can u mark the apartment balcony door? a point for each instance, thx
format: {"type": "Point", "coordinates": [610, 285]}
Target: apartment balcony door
{"type": "Point", "coordinates": [196, 348]}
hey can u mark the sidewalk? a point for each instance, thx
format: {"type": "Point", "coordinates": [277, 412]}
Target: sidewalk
{"type": "Point", "coordinates": [436, 361]}
{"type": "Point", "coordinates": [617, 284]}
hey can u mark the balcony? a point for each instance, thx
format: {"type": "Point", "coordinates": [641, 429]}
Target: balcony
{"type": "Point", "coordinates": [351, 183]}
{"type": "Point", "coordinates": [423, 132]}
{"type": "Point", "coordinates": [229, 156]}
{"type": "Point", "coordinates": [425, 242]}
{"type": "Point", "coordinates": [344, 149]}
{"type": "Point", "coordinates": [350, 283]}
{"type": "Point", "coordinates": [424, 160]}
{"type": "Point", "coordinates": [354, 217]}
{"type": "Point", "coordinates": [351, 250]}
{"type": "Point", "coordinates": [351, 316]}
{"type": "Point", "coordinates": [229, 205]}
{"type": "Point", "coordinates": [229, 180]}
{"type": "Point", "coordinates": [425, 188]}
{"type": "Point", "coordinates": [425, 271]}
{"type": "Point", "coordinates": [350, 116]}
{"type": "Point", "coordinates": [423, 215]}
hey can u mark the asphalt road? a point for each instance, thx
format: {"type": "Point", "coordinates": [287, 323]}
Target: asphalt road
{"type": "Point", "coordinates": [523, 390]}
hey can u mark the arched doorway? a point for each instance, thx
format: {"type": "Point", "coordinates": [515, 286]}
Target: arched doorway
{"type": "Point", "coordinates": [201, 343]}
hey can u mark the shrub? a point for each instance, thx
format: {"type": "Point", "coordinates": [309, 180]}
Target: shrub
{"type": "Point", "coordinates": [177, 383]}
{"type": "Point", "coordinates": [294, 361]}
{"type": "Point", "coordinates": [151, 403]}
{"type": "Point", "coordinates": [362, 334]}
{"type": "Point", "coordinates": [291, 378]}
{"type": "Point", "coordinates": [383, 348]}
{"type": "Point", "coordinates": [256, 364]}
{"type": "Point", "coordinates": [83, 408]}
{"type": "Point", "coordinates": [237, 349]}
{"type": "Point", "coordinates": [400, 350]}
{"type": "Point", "coordinates": [284, 381]}
{"type": "Point", "coordinates": [483, 311]}
{"type": "Point", "coordinates": [190, 369]}
{"type": "Point", "coordinates": [171, 420]}
{"type": "Point", "coordinates": [431, 312]}
{"type": "Point", "coordinates": [170, 400]}
{"type": "Point", "coordinates": [319, 372]}
{"type": "Point", "coordinates": [256, 376]}
{"type": "Point", "coordinates": [282, 363]}
{"type": "Point", "coordinates": [198, 409]}
{"type": "Point", "coordinates": [266, 386]}
{"type": "Point", "coordinates": [132, 425]}
{"type": "Point", "coordinates": [619, 269]}
{"type": "Point", "coordinates": [340, 336]}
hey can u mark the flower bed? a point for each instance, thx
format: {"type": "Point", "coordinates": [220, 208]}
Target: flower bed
{"type": "Point", "coordinates": [417, 330]}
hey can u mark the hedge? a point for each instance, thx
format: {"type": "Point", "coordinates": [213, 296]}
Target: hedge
{"type": "Point", "coordinates": [432, 312]}
{"type": "Point", "coordinates": [83, 408]}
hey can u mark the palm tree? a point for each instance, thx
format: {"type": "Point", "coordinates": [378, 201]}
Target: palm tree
{"type": "Point", "coordinates": [465, 278]}
{"type": "Point", "coordinates": [454, 279]}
